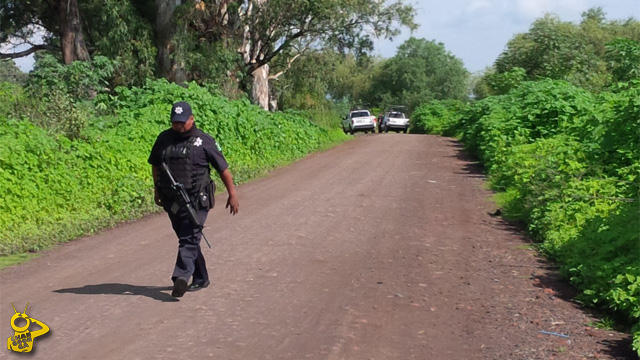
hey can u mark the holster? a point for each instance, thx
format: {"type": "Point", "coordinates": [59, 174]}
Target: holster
{"type": "Point", "coordinates": [205, 199]}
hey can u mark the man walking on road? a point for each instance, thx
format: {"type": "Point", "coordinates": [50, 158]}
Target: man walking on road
{"type": "Point", "coordinates": [187, 151]}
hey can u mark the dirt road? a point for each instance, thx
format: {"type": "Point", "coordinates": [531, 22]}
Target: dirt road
{"type": "Point", "coordinates": [381, 248]}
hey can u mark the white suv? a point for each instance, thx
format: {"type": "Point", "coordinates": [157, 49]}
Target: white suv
{"type": "Point", "coordinates": [359, 120]}
{"type": "Point", "coordinates": [394, 120]}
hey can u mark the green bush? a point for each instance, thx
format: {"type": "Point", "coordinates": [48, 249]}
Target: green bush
{"type": "Point", "coordinates": [57, 97]}
{"type": "Point", "coordinates": [566, 163]}
{"type": "Point", "coordinates": [56, 188]}
{"type": "Point", "coordinates": [437, 117]}
{"type": "Point", "coordinates": [81, 79]}
{"type": "Point", "coordinates": [623, 59]}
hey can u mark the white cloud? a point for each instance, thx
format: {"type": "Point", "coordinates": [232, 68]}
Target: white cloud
{"type": "Point", "coordinates": [477, 31]}
{"type": "Point", "coordinates": [536, 8]}
{"type": "Point", "coordinates": [478, 5]}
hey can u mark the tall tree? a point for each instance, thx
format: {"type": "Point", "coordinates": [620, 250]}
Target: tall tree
{"type": "Point", "coordinates": [277, 27]}
{"type": "Point", "coordinates": [70, 27]}
{"type": "Point", "coordinates": [421, 70]}
{"type": "Point", "coordinates": [324, 77]}
{"type": "Point", "coordinates": [122, 31]}
{"type": "Point", "coordinates": [551, 48]}
{"type": "Point", "coordinates": [264, 30]}
{"type": "Point", "coordinates": [19, 20]}
{"type": "Point", "coordinates": [168, 62]}
{"type": "Point", "coordinates": [563, 50]}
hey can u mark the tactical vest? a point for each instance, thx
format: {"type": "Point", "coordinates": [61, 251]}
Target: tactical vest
{"type": "Point", "coordinates": [179, 159]}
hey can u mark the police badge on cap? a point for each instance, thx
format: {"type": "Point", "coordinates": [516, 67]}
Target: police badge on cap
{"type": "Point", "coordinates": [180, 112]}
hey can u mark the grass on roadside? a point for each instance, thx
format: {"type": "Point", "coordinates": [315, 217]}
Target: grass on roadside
{"type": "Point", "coordinates": [11, 260]}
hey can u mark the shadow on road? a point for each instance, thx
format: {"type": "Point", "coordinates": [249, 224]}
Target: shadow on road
{"type": "Point", "coordinates": [617, 348]}
{"type": "Point", "coordinates": [473, 167]}
{"type": "Point", "coordinates": [154, 292]}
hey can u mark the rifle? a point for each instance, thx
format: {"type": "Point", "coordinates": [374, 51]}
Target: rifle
{"type": "Point", "coordinates": [184, 201]}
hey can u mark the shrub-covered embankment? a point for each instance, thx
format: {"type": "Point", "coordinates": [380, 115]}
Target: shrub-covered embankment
{"type": "Point", "coordinates": [55, 188]}
{"type": "Point", "coordinates": [567, 163]}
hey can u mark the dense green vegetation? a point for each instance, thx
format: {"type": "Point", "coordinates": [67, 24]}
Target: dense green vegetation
{"type": "Point", "coordinates": [56, 187]}
{"type": "Point", "coordinates": [239, 44]}
{"type": "Point", "coordinates": [420, 71]}
{"type": "Point", "coordinates": [592, 54]}
{"type": "Point", "coordinates": [563, 153]}
{"type": "Point", "coordinates": [77, 129]}
{"type": "Point", "coordinates": [555, 121]}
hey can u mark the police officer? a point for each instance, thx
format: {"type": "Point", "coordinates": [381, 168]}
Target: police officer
{"type": "Point", "coordinates": [188, 152]}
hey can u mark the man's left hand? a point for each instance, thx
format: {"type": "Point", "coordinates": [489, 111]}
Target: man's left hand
{"type": "Point", "coordinates": [232, 205]}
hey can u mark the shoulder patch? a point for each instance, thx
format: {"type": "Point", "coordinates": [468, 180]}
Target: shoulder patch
{"type": "Point", "coordinates": [218, 146]}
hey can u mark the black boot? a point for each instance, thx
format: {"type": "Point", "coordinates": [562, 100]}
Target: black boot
{"type": "Point", "coordinates": [179, 287]}
{"type": "Point", "coordinates": [195, 286]}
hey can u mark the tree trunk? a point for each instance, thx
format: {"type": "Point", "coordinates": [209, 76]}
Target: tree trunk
{"type": "Point", "coordinates": [71, 38]}
{"type": "Point", "coordinates": [167, 67]}
{"type": "Point", "coordinates": [273, 102]}
{"type": "Point", "coordinates": [249, 50]}
{"type": "Point", "coordinates": [260, 87]}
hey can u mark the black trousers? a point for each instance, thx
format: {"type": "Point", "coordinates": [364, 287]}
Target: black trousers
{"type": "Point", "coordinates": [190, 261]}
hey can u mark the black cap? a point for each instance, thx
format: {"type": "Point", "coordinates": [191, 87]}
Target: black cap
{"type": "Point", "coordinates": [180, 112]}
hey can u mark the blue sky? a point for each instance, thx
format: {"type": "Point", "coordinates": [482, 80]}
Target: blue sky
{"type": "Point", "coordinates": [477, 31]}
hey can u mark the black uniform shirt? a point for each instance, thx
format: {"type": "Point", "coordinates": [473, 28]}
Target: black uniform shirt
{"type": "Point", "coordinates": [205, 149]}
